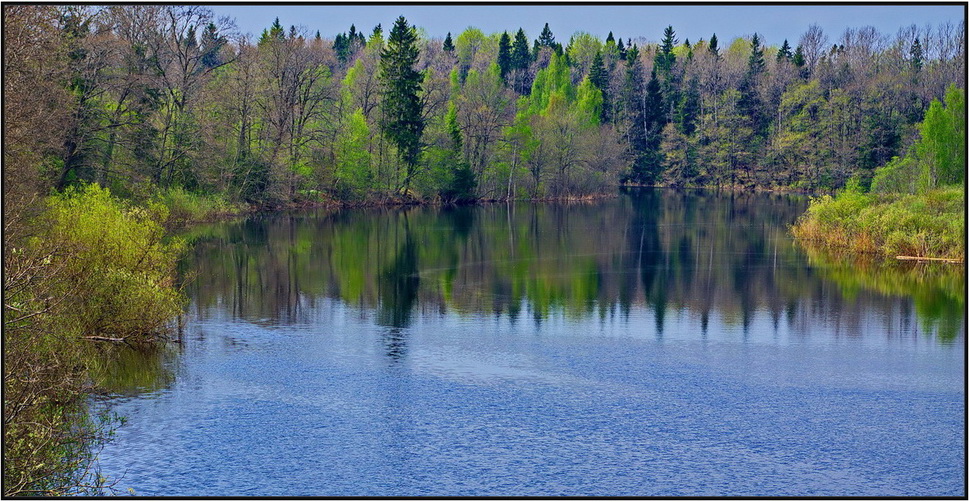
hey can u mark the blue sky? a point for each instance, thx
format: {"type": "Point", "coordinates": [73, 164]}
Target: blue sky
{"type": "Point", "coordinates": [773, 22]}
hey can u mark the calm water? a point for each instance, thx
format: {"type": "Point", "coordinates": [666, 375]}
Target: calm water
{"type": "Point", "coordinates": [662, 343]}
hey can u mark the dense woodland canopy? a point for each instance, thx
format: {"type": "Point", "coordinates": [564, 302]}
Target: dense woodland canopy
{"type": "Point", "coordinates": [145, 97]}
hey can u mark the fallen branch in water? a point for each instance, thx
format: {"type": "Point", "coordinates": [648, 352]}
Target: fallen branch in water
{"type": "Point", "coordinates": [925, 258]}
{"type": "Point", "coordinates": [105, 339]}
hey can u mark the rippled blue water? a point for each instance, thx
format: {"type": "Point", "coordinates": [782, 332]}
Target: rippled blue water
{"type": "Point", "coordinates": [336, 402]}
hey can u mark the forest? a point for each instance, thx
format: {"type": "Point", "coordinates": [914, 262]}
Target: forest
{"type": "Point", "coordinates": [147, 99]}
{"type": "Point", "coordinates": [124, 121]}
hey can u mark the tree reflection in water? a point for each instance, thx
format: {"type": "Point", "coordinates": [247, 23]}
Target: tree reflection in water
{"type": "Point", "coordinates": [662, 253]}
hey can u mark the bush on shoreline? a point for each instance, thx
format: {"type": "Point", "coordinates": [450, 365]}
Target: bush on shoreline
{"type": "Point", "coordinates": [89, 269]}
{"type": "Point", "coordinates": [931, 224]}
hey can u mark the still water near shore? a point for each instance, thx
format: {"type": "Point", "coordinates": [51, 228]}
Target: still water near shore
{"type": "Point", "coordinates": [663, 343]}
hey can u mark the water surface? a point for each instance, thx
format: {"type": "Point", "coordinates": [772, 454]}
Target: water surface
{"type": "Point", "coordinates": [662, 343]}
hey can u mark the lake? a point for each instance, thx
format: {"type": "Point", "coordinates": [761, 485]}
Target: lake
{"type": "Point", "coordinates": [661, 343]}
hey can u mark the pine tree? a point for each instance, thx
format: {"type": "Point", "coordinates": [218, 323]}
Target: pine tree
{"type": "Point", "coordinates": [621, 49]}
{"type": "Point", "coordinates": [798, 57]}
{"type": "Point", "coordinates": [402, 122]}
{"type": "Point", "coordinates": [665, 59]}
{"type": "Point", "coordinates": [610, 38]}
{"type": "Point", "coordinates": [504, 56]}
{"type": "Point", "coordinates": [211, 45]}
{"type": "Point", "coordinates": [448, 43]}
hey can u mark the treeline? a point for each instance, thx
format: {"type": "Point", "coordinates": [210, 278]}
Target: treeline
{"type": "Point", "coordinates": [146, 97]}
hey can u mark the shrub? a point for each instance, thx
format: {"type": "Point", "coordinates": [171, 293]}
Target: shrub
{"type": "Point", "coordinates": [93, 267]}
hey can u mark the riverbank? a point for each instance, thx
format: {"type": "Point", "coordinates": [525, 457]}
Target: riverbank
{"type": "Point", "coordinates": [927, 225]}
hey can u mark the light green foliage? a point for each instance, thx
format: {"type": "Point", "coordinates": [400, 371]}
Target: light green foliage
{"type": "Point", "coordinates": [588, 103]}
{"type": "Point", "coordinates": [582, 49]}
{"type": "Point", "coordinates": [473, 45]}
{"type": "Point", "coordinates": [93, 266]}
{"type": "Point", "coordinates": [938, 158]}
{"type": "Point", "coordinates": [553, 80]}
{"type": "Point", "coordinates": [929, 224]}
{"type": "Point", "coordinates": [184, 207]}
{"type": "Point", "coordinates": [123, 287]}
{"type": "Point", "coordinates": [353, 170]}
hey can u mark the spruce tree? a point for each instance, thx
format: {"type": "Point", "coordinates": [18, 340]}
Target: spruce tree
{"type": "Point", "coordinates": [546, 39]}
{"type": "Point", "coordinates": [621, 49]}
{"type": "Point", "coordinates": [713, 47]}
{"type": "Point", "coordinates": [663, 64]}
{"type": "Point", "coordinates": [520, 55]}
{"type": "Point", "coordinates": [599, 77]}
{"type": "Point", "coordinates": [610, 38]}
{"type": "Point", "coordinates": [916, 55]}
{"type": "Point", "coordinates": [448, 43]}
{"type": "Point", "coordinates": [402, 121]}
{"type": "Point", "coordinates": [504, 56]}
{"type": "Point", "coordinates": [755, 64]}
{"type": "Point", "coordinates": [785, 53]}
{"type": "Point", "coordinates": [689, 108]}
{"type": "Point", "coordinates": [665, 59]}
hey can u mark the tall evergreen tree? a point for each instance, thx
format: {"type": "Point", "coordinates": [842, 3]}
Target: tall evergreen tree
{"type": "Point", "coordinates": [915, 55]}
{"type": "Point", "coordinates": [448, 43]}
{"type": "Point", "coordinates": [756, 64]}
{"type": "Point", "coordinates": [784, 54]}
{"type": "Point", "coordinates": [599, 77]}
{"type": "Point", "coordinates": [663, 64]}
{"type": "Point", "coordinates": [546, 39]}
{"type": "Point", "coordinates": [403, 121]}
{"type": "Point", "coordinates": [689, 108]}
{"type": "Point", "coordinates": [714, 47]}
{"type": "Point", "coordinates": [520, 56]}
{"type": "Point", "coordinates": [610, 38]}
{"type": "Point", "coordinates": [504, 55]}
{"type": "Point", "coordinates": [621, 49]}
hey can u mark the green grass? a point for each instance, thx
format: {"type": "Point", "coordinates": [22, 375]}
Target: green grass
{"type": "Point", "coordinates": [185, 207]}
{"type": "Point", "coordinates": [931, 224]}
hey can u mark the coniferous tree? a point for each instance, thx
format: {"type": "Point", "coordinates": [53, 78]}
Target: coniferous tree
{"type": "Point", "coordinates": [599, 77]}
{"type": "Point", "coordinates": [403, 121]}
{"type": "Point", "coordinates": [520, 56]}
{"type": "Point", "coordinates": [756, 64]}
{"type": "Point", "coordinates": [621, 49]}
{"type": "Point", "coordinates": [915, 55]}
{"type": "Point", "coordinates": [689, 108]}
{"type": "Point", "coordinates": [663, 63]}
{"type": "Point", "coordinates": [546, 39]}
{"type": "Point", "coordinates": [784, 54]}
{"type": "Point", "coordinates": [610, 38]}
{"type": "Point", "coordinates": [713, 47]}
{"type": "Point", "coordinates": [504, 55]}
{"type": "Point", "coordinates": [448, 43]}
{"type": "Point", "coordinates": [212, 43]}
{"type": "Point", "coordinates": [274, 33]}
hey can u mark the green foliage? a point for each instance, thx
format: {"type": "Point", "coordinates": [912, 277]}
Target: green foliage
{"type": "Point", "coordinates": [184, 207]}
{"type": "Point", "coordinates": [354, 176]}
{"type": "Point", "coordinates": [93, 267]}
{"type": "Point", "coordinates": [929, 224]}
{"type": "Point", "coordinates": [123, 282]}
{"type": "Point", "coordinates": [938, 158]}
